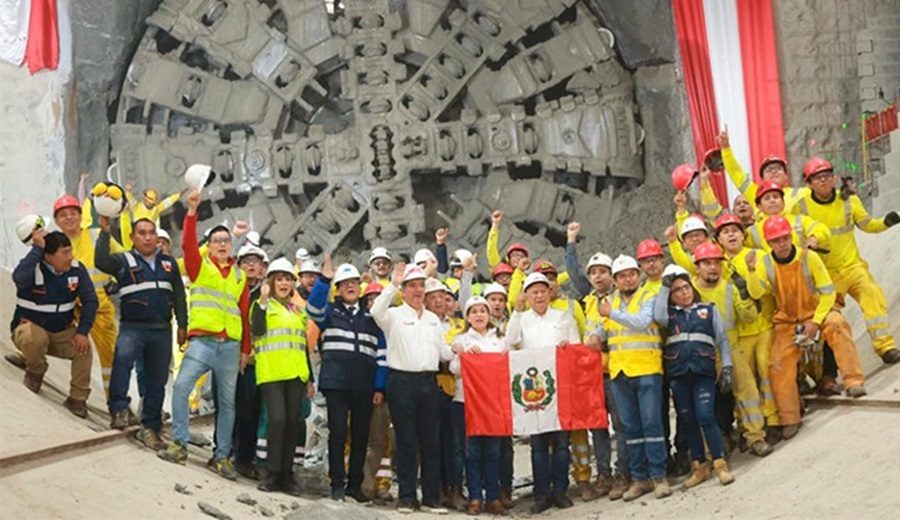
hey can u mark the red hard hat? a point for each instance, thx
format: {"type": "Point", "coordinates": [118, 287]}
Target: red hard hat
{"type": "Point", "coordinates": [726, 219]}
{"type": "Point", "coordinates": [814, 166]}
{"type": "Point", "coordinates": [776, 226]}
{"type": "Point", "coordinates": [501, 268]}
{"type": "Point", "coordinates": [767, 187]}
{"type": "Point", "coordinates": [372, 288]}
{"type": "Point", "coordinates": [769, 160]}
{"type": "Point", "coordinates": [518, 246]}
{"type": "Point", "coordinates": [66, 201]}
{"type": "Point", "coordinates": [648, 248]}
{"type": "Point", "coordinates": [708, 251]}
{"type": "Point", "coordinates": [683, 175]}
{"type": "Point", "coordinates": [544, 267]}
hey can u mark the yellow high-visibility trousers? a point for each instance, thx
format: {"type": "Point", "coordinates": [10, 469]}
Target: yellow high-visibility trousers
{"type": "Point", "coordinates": [756, 348]}
{"type": "Point", "coordinates": [746, 393]}
{"type": "Point", "coordinates": [104, 333]}
{"type": "Point", "coordinates": [581, 456]}
{"type": "Point", "coordinates": [857, 282]}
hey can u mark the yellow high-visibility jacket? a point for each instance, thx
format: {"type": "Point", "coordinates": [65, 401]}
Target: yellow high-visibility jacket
{"type": "Point", "coordinates": [804, 227]}
{"type": "Point", "coordinates": [748, 188]}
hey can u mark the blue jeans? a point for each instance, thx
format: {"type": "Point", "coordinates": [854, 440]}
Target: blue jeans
{"type": "Point", "coordinates": [695, 402]}
{"type": "Point", "coordinates": [639, 402]}
{"type": "Point", "coordinates": [154, 346]}
{"type": "Point", "coordinates": [458, 455]}
{"type": "Point", "coordinates": [550, 466]}
{"type": "Point", "coordinates": [602, 444]}
{"type": "Point", "coordinates": [415, 411]}
{"type": "Point", "coordinates": [483, 468]}
{"type": "Point", "coordinates": [223, 358]}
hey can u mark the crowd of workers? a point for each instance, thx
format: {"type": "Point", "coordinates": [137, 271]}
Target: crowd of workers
{"type": "Point", "coordinates": [745, 319]}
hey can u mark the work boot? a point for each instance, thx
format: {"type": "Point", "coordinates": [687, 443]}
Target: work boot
{"type": "Point", "coordinates": [621, 484]}
{"type": "Point", "coordinates": [77, 407]}
{"type": "Point", "coordinates": [176, 452]}
{"type": "Point", "coordinates": [458, 501]}
{"type": "Point", "coordinates": [383, 497]}
{"type": "Point", "coordinates": [889, 357]}
{"type": "Point", "coordinates": [700, 473]}
{"type": "Point", "coordinates": [247, 470]}
{"type": "Point", "coordinates": [132, 418]}
{"type": "Point", "coordinates": [119, 420]}
{"type": "Point", "coordinates": [587, 491]}
{"type": "Point", "coordinates": [150, 439]}
{"type": "Point", "coordinates": [16, 359]}
{"type": "Point", "coordinates": [773, 435]}
{"type": "Point", "coordinates": [562, 500]}
{"type": "Point", "coordinates": [506, 498]}
{"type": "Point", "coordinates": [406, 507]}
{"type": "Point", "coordinates": [222, 467]}
{"type": "Point", "coordinates": [474, 508]}
{"type": "Point", "coordinates": [541, 504]}
{"type": "Point", "coordinates": [358, 495]}
{"type": "Point", "coordinates": [270, 483]}
{"type": "Point", "coordinates": [828, 386]}
{"type": "Point", "coordinates": [720, 468]}
{"type": "Point", "coordinates": [789, 431]}
{"type": "Point", "coordinates": [856, 392]}
{"type": "Point", "coordinates": [496, 508]}
{"type": "Point", "coordinates": [435, 509]}
{"type": "Point", "coordinates": [637, 489]}
{"type": "Point", "coordinates": [290, 486]}
{"type": "Point", "coordinates": [760, 448]}
{"type": "Point", "coordinates": [661, 488]}
{"type": "Point", "coordinates": [33, 381]}
{"type": "Point", "coordinates": [603, 485]}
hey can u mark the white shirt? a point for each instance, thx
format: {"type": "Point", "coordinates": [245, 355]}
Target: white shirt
{"type": "Point", "coordinates": [489, 342]}
{"type": "Point", "coordinates": [531, 330]}
{"type": "Point", "coordinates": [415, 343]}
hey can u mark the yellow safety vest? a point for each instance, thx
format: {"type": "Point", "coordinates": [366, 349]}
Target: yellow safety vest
{"type": "Point", "coordinates": [215, 300]}
{"type": "Point", "coordinates": [447, 381]}
{"type": "Point", "coordinates": [281, 353]}
{"type": "Point", "coordinates": [635, 352]}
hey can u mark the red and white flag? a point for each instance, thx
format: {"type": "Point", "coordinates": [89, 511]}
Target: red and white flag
{"type": "Point", "coordinates": [526, 392]}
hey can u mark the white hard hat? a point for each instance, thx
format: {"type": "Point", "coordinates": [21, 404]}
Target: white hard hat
{"type": "Point", "coordinates": [434, 285]}
{"type": "Point", "coordinates": [460, 256]}
{"type": "Point", "coordinates": [599, 259]}
{"type": "Point", "coordinates": [345, 272]}
{"type": "Point", "coordinates": [692, 223]}
{"type": "Point", "coordinates": [675, 270]}
{"type": "Point", "coordinates": [473, 301]}
{"type": "Point", "coordinates": [197, 175]}
{"type": "Point", "coordinates": [302, 254]}
{"type": "Point", "coordinates": [623, 263]}
{"type": "Point", "coordinates": [162, 233]}
{"type": "Point", "coordinates": [250, 249]}
{"type": "Point", "coordinates": [493, 288]}
{"type": "Point", "coordinates": [108, 199]}
{"type": "Point", "coordinates": [309, 266]}
{"type": "Point", "coordinates": [423, 255]}
{"type": "Point", "coordinates": [27, 224]}
{"type": "Point", "coordinates": [253, 238]}
{"type": "Point", "coordinates": [534, 278]}
{"type": "Point", "coordinates": [413, 272]}
{"type": "Point", "coordinates": [281, 265]}
{"type": "Point", "coordinates": [379, 252]}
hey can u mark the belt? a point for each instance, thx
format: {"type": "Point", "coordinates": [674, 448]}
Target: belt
{"type": "Point", "coordinates": [411, 375]}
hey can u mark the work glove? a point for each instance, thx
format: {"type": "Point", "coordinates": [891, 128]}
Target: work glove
{"type": "Point", "coordinates": [847, 188]}
{"type": "Point", "coordinates": [891, 219]}
{"type": "Point", "coordinates": [669, 278]}
{"type": "Point", "coordinates": [740, 284]}
{"type": "Point", "coordinates": [725, 381]}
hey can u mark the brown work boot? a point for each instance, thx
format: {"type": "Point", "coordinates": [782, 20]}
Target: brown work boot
{"type": "Point", "coordinates": [33, 381]}
{"type": "Point", "coordinates": [661, 488]}
{"type": "Point", "coordinates": [856, 392]}
{"type": "Point", "coordinates": [150, 439]}
{"type": "Point", "coordinates": [891, 357]}
{"type": "Point", "coordinates": [458, 501]}
{"type": "Point", "coordinates": [700, 473]}
{"type": "Point", "coordinates": [828, 386]}
{"type": "Point", "coordinates": [119, 420]}
{"type": "Point", "coordinates": [720, 468]}
{"type": "Point", "coordinates": [773, 435]}
{"type": "Point", "coordinates": [505, 498]}
{"type": "Point", "coordinates": [789, 430]}
{"type": "Point", "coordinates": [587, 491]}
{"type": "Point", "coordinates": [16, 359]}
{"type": "Point", "coordinates": [603, 485]}
{"type": "Point", "coordinates": [496, 508]}
{"type": "Point", "coordinates": [78, 408]}
{"type": "Point", "coordinates": [760, 448]}
{"type": "Point", "coordinates": [621, 483]}
{"type": "Point", "coordinates": [637, 489]}
{"type": "Point", "coordinates": [474, 508]}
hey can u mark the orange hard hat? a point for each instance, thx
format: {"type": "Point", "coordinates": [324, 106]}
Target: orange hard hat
{"type": "Point", "coordinates": [815, 166]}
{"type": "Point", "coordinates": [372, 288]}
{"type": "Point", "coordinates": [726, 219]}
{"type": "Point", "coordinates": [683, 175]}
{"type": "Point", "coordinates": [767, 187]}
{"type": "Point", "coordinates": [648, 248]}
{"type": "Point", "coordinates": [708, 250]}
{"type": "Point", "coordinates": [776, 226]}
{"type": "Point", "coordinates": [501, 268]}
{"type": "Point", "coordinates": [518, 246]}
{"type": "Point", "coordinates": [545, 267]}
{"type": "Point", "coordinates": [66, 201]}
{"type": "Point", "coordinates": [772, 159]}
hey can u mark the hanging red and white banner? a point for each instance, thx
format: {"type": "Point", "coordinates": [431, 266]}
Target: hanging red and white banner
{"type": "Point", "coordinates": [526, 392]}
{"type": "Point", "coordinates": [14, 16]}
{"type": "Point", "coordinates": [42, 51]}
{"type": "Point", "coordinates": [728, 51]}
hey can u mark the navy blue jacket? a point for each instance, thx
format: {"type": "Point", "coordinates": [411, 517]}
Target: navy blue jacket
{"type": "Point", "coordinates": [47, 298]}
{"type": "Point", "coordinates": [352, 346]}
{"type": "Point", "coordinates": [692, 335]}
{"type": "Point", "coordinates": [147, 296]}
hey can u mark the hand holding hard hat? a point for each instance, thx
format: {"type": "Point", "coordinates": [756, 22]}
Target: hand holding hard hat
{"type": "Point", "coordinates": [197, 176]}
{"type": "Point", "coordinates": [27, 225]}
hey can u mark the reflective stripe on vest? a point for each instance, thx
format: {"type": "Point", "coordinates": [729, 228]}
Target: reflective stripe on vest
{"type": "Point", "coordinates": [48, 308]}
{"type": "Point", "coordinates": [214, 302]}
{"type": "Point", "coordinates": [145, 286]}
{"type": "Point", "coordinates": [281, 352]}
{"type": "Point", "coordinates": [691, 336]}
{"type": "Point", "coordinates": [770, 273]}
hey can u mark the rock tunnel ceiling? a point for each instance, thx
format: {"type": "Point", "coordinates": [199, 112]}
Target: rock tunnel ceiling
{"type": "Point", "coordinates": [330, 125]}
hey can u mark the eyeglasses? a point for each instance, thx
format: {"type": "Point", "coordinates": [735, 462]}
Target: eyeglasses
{"type": "Point", "coordinates": [219, 240]}
{"type": "Point", "coordinates": [682, 288]}
{"type": "Point", "coordinates": [824, 176]}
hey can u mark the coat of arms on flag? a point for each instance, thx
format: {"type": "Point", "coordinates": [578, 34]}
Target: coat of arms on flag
{"type": "Point", "coordinates": [532, 390]}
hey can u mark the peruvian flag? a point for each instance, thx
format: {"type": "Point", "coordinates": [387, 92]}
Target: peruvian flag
{"type": "Point", "coordinates": [526, 392]}
{"type": "Point", "coordinates": [728, 53]}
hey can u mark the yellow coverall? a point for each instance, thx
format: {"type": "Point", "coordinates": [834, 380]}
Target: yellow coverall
{"type": "Point", "coordinates": [140, 210]}
{"type": "Point", "coordinates": [804, 227]}
{"type": "Point", "coordinates": [748, 188]}
{"type": "Point", "coordinates": [493, 256]}
{"type": "Point", "coordinates": [803, 291]}
{"type": "Point", "coordinates": [848, 270]}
